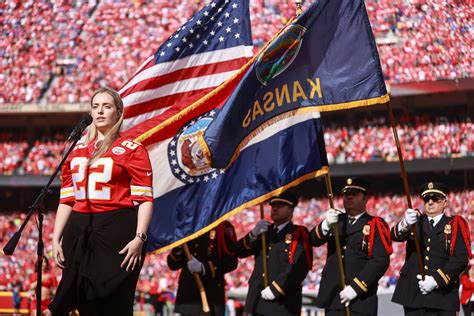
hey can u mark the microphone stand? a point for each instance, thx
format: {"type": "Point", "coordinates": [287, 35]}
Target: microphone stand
{"type": "Point", "coordinates": [38, 206]}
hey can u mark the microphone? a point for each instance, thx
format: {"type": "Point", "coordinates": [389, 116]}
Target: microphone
{"type": "Point", "coordinates": [85, 121]}
{"type": "Point", "coordinates": [11, 245]}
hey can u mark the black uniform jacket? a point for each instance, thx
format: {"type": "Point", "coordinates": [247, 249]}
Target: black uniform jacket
{"type": "Point", "coordinates": [437, 262]}
{"type": "Point", "coordinates": [284, 278]}
{"type": "Point", "coordinates": [361, 271]}
{"type": "Point", "coordinates": [204, 249]}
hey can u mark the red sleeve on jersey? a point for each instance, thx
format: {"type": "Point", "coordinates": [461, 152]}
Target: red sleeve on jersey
{"type": "Point", "coordinates": [139, 168]}
{"type": "Point", "coordinates": [67, 187]}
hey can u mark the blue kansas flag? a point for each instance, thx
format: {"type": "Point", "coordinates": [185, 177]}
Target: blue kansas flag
{"type": "Point", "coordinates": [267, 136]}
{"type": "Point", "coordinates": [281, 156]}
{"type": "Point", "coordinates": [325, 60]}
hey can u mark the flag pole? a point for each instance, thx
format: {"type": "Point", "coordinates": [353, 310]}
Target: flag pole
{"type": "Point", "coordinates": [406, 187]}
{"type": "Point", "coordinates": [202, 291]}
{"type": "Point", "coordinates": [335, 232]}
{"type": "Point", "coordinates": [264, 251]}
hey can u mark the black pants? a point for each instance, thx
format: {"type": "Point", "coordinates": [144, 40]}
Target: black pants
{"type": "Point", "coordinates": [215, 311]}
{"type": "Point", "coordinates": [93, 281]}
{"type": "Point", "coordinates": [468, 309]}
{"type": "Point", "coordinates": [120, 302]}
{"type": "Point", "coordinates": [427, 312]}
{"type": "Point", "coordinates": [331, 312]}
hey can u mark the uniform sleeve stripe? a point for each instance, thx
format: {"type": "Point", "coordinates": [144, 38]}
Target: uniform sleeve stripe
{"type": "Point", "coordinates": [140, 190]}
{"type": "Point", "coordinates": [361, 285]}
{"type": "Point", "coordinates": [135, 193]}
{"type": "Point", "coordinates": [395, 230]}
{"type": "Point", "coordinates": [316, 230]}
{"type": "Point", "coordinates": [278, 288]}
{"type": "Point", "coordinates": [445, 278]}
{"type": "Point", "coordinates": [67, 192]}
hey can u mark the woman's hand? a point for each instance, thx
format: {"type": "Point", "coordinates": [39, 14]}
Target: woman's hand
{"type": "Point", "coordinates": [133, 252]}
{"type": "Point", "coordinates": [62, 216]}
{"type": "Point", "coordinates": [58, 254]}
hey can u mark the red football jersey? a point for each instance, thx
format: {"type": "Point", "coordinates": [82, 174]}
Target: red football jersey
{"type": "Point", "coordinates": [119, 178]}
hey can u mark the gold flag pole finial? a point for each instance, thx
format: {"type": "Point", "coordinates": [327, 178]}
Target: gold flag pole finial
{"type": "Point", "coordinates": [298, 7]}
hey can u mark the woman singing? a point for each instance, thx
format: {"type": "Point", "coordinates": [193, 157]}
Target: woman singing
{"type": "Point", "coordinates": [103, 216]}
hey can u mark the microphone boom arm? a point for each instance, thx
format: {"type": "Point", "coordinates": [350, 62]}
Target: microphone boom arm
{"type": "Point", "coordinates": [38, 205]}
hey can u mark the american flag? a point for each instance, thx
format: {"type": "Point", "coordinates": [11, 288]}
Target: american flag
{"type": "Point", "coordinates": [198, 57]}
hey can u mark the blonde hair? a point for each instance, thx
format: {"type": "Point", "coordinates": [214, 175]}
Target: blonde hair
{"type": "Point", "coordinates": [113, 133]}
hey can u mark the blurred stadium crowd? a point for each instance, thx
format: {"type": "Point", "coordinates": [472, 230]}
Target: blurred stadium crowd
{"type": "Point", "coordinates": [422, 137]}
{"type": "Point", "coordinates": [60, 51]}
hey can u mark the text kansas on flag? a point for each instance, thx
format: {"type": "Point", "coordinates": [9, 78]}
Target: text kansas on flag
{"type": "Point", "coordinates": [326, 60]}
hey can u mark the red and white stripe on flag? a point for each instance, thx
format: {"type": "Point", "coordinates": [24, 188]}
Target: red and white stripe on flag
{"type": "Point", "coordinates": [157, 92]}
{"type": "Point", "coordinates": [198, 57]}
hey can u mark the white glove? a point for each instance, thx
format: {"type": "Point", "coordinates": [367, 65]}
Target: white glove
{"type": "Point", "coordinates": [195, 265]}
{"type": "Point", "coordinates": [427, 285]}
{"type": "Point", "coordinates": [411, 216]}
{"type": "Point", "coordinates": [267, 294]}
{"type": "Point", "coordinates": [260, 228]}
{"type": "Point", "coordinates": [347, 295]}
{"type": "Point", "coordinates": [332, 216]}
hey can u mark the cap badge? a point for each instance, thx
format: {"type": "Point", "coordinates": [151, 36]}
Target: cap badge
{"type": "Point", "coordinates": [430, 185]}
{"type": "Point", "coordinates": [349, 181]}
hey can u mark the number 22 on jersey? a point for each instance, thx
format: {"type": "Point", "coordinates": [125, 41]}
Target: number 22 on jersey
{"type": "Point", "coordinates": [78, 168]}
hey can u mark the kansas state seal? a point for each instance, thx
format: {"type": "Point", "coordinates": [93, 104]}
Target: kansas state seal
{"type": "Point", "coordinates": [279, 55]}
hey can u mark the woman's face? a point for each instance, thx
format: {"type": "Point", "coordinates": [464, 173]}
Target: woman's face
{"type": "Point", "coordinates": [104, 112]}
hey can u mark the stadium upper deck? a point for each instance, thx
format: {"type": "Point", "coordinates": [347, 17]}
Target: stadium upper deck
{"type": "Point", "coordinates": [60, 52]}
